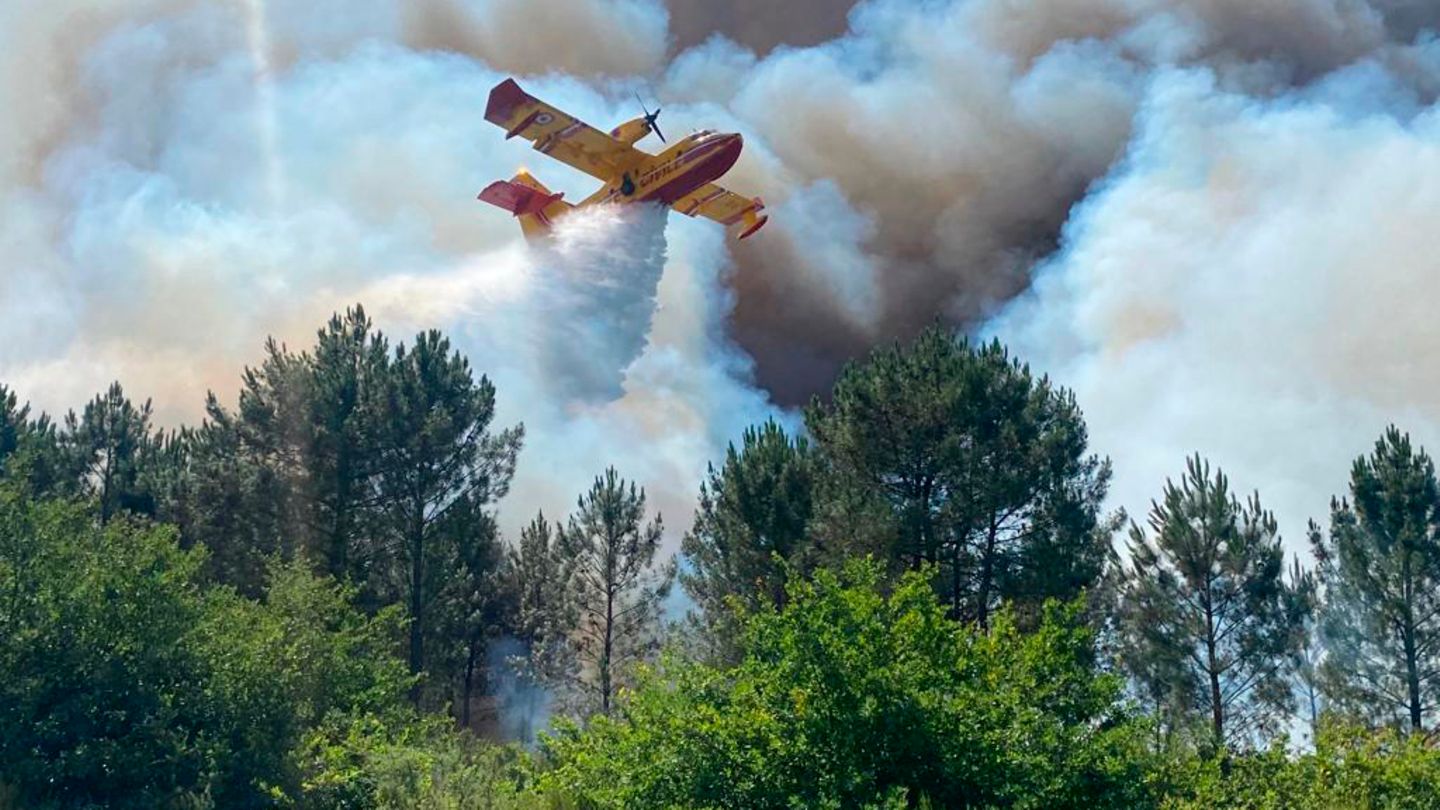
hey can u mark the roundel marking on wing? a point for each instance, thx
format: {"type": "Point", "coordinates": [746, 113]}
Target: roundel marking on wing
{"type": "Point", "coordinates": [544, 118]}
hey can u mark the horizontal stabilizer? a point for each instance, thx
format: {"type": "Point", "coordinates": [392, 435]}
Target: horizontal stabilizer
{"type": "Point", "coordinates": [518, 199]}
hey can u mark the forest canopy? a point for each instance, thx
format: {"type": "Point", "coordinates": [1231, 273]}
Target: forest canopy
{"type": "Point", "coordinates": [916, 598]}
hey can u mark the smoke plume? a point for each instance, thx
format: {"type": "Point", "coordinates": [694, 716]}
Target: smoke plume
{"type": "Point", "coordinates": [1255, 284]}
{"type": "Point", "coordinates": [1208, 216]}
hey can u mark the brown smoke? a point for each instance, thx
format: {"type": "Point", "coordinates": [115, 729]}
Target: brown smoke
{"type": "Point", "coordinates": [760, 25]}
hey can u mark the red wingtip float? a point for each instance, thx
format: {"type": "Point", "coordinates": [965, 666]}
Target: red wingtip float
{"type": "Point", "coordinates": [681, 177]}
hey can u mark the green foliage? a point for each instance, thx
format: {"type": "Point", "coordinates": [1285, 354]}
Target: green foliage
{"type": "Point", "coordinates": [848, 697]}
{"type": "Point", "coordinates": [984, 468]}
{"type": "Point", "coordinates": [1381, 570]}
{"type": "Point", "coordinates": [1209, 622]}
{"type": "Point", "coordinates": [364, 764]}
{"type": "Point", "coordinates": [215, 616]}
{"type": "Point", "coordinates": [1351, 769]}
{"type": "Point", "coordinates": [103, 698]}
{"type": "Point", "coordinates": [128, 684]}
{"type": "Point", "coordinates": [301, 658]}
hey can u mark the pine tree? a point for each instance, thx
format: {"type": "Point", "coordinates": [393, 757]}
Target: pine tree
{"type": "Point", "coordinates": [438, 459]}
{"type": "Point", "coordinates": [341, 458]}
{"type": "Point", "coordinates": [1380, 568]}
{"type": "Point", "coordinates": [304, 440]}
{"type": "Point", "coordinates": [540, 616]}
{"type": "Point", "coordinates": [615, 583]}
{"type": "Point", "coordinates": [108, 446]}
{"type": "Point", "coordinates": [472, 603]}
{"type": "Point", "coordinates": [753, 517]}
{"type": "Point", "coordinates": [233, 501]}
{"type": "Point", "coordinates": [31, 457]}
{"type": "Point", "coordinates": [984, 468]}
{"type": "Point", "coordinates": [540, 608]}
{"type": "Point", "coordinates": [247, 477]}
{"type": "Point", "coordinates": [1210, 623]}
{"type": "Point", "coordinates": [270, 427]}
{"type": "Point", "coordinates": [14, 423]}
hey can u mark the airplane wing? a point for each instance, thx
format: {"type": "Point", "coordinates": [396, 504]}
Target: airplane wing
{"type": "Point", "coordinates": [723, 206]}
{"type": "Point", "coordinates": [557, 134]}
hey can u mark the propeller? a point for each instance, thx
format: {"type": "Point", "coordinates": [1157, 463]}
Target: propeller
{"type": "Point", "coordinates": [650, 118]}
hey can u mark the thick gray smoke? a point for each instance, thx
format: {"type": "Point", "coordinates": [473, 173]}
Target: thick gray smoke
{"type": "Point", "coordinates": [965, 131]}
{"type": "Point", "coordinates": [1243, 274]}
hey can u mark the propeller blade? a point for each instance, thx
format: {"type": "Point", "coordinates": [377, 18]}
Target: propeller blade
{"type": "Point", "coordinates": [650, 117]}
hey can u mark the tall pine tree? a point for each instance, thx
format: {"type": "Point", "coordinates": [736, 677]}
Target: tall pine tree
{"type": "Point", "coordinates": [983, 465]}
{"type": "Point", "coordinates": [440, 466]}
{"type": "Point", "coordinates": [1210, 623]}
{"type": "Point", "coordinates": [753, 516]}
{"type": "Point", "coordinates": [615, 583]}
{"type": "Point", "coordinates": [541, 616]}
{"type": "Point", "coordinates": [341, 457]}
{"type": "Point", "coordinates": [1380, 567]}
{"type": "Point", "coordinates": [108, 446]}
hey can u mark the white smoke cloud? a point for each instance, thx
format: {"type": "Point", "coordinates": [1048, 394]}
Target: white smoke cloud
{"type": "Point", "coordinates": [1254, 283]}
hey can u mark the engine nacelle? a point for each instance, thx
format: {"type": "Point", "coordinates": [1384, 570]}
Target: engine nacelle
{"type": "Point", "coordinates": [631, 131]}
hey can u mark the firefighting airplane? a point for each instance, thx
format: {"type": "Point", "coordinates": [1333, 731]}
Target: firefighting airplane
{"type": "Point", "coordinates": [681, 176]}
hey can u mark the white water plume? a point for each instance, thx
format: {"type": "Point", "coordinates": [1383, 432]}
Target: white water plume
{"type": "Point", "coordinates": [257, 39]}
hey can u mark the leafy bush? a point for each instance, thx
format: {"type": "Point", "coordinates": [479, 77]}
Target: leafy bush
{"type": "Point", "coordinates": [849, 697]}
{"type": "Point", "coordinates": [129, 684]}
{"type": "Point", "coordinates": [365, 764]}
{"type": "Point", "coordinates": [1350, 769]}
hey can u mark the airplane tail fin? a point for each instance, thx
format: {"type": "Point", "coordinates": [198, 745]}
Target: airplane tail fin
{"type": "Point", "coordinates": [751, 220]}
{"type": "Point", "coordinates": [529, 200]}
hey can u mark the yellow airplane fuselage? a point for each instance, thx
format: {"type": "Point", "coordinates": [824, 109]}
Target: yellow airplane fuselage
{"type": "Point", "coordinates": [678, 171]}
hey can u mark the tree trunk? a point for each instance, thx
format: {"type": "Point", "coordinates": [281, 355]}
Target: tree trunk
{"type": "Point", "coordinates": [339, 564]}
{"type": "Point", "coordinates": [417, 606]}
{"type": "Point", "coordinates": [1217, 712]}
{"type": "Point", "coordinates": [1412, 663]}
{"type": "Point", "coordinates": [105, 476]}
{"type": "Point", "coordinates": [923, 542]}
{"type": "Point", "coordinates": [956, 554]}
{"type": "Point", "coordinates": [609, 648]}
{"type": "Point", "coordinates": [987, 573]}
{"type": "Point", "coordinates": [1412, 679]}
{"type": "Point", "coordinates": [469, 684]}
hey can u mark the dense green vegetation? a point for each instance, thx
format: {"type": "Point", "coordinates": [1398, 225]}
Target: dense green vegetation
{"type": "Point", "coordinates": [917, 600]}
